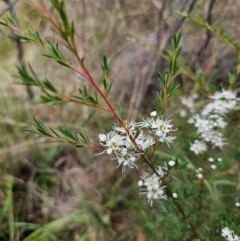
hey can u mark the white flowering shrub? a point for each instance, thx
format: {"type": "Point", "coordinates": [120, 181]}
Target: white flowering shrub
{"type": "Point", "coordinates": [184, 164]}
{"type": "Point", "coordinates": [210, 122]}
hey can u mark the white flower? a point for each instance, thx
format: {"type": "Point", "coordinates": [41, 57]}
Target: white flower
{"type": "Point", "coordinates": [219, 159]}
{"type": "Point", "coordinates": [226, 232]}
{"type": "Point", "coordinates": [126, 159]}
{"type": "Point", "coordinates": [219, 121]}
{"type": "Point", "coordinates": [224, 95]}
{"type": "Point", "coordinates": [113, 141]}
{"type": "Point", "coordinates": [229, 235]}
{"type": "Point", "coordinates": [102, 137]}
{"type": "Point", "coordinates": [208, 136]}
{"type": "Point", "coordinates": [130, 125]}
{"type": "Point", "coordinates": [198, 147]}
{"type": "Point", "coordinates": [151, 181]}
{"type": "Point", "coordinates": [171, 163]}
{"type": "Point", "coordinates": [144, 142]}
{"type": "Point", "coordinates": [162, 127]}
{"type": "Point", "coordinates": [218, 140]}
{"type": "Point", "coordinates": [160, 171]}
{"type": "Point", "coordinates": [167, 139]}
{"type": "Point", "coordinates": [151, 185]}
{"type": "Point", "coordinates": [155, 193]}
{"type": "Point", "coordinates": [158, 127]}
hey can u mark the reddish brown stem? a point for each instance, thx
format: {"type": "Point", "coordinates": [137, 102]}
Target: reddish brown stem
{"type": "Point", "coordinates": [48, 14]}
{"type": "Point", "coordinates": [88, 76]}
{"type": "Point", "coordinates": [154, 149]}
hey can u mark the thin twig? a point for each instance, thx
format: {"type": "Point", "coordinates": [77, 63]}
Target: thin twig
{"type": "Point", "coordinates": [182, 20]}
{"type": "Point", "coordinates": [19, 45]}
{"type": "Point", "coordinates": [203, 49]}
{"type": "Point", "coordinates": [176, 26]}
{"type": "Point", "coordinates": [9, 7]}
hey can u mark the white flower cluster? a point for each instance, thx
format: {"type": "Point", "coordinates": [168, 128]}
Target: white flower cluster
{"type": "Point", "coordinates": [210, 121]}
{"type": "Point", "coordinates": [129, 143]}
{"type": "Point", "coordinates": [198, 147]}
{"type": "Point", "coordinates": [151, 185]}
{"type": "Point", "coordinates": [229, 235]}
{"type": "Point", "coordinates": [213, 166]}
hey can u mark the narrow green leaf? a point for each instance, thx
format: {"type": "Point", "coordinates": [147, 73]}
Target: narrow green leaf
{"type": "Point", "coordinates": [119, 109]}
{"type": "Point", "coordinates": [49, 85]}
{"type": "Point", "coordinates": [83, 79]}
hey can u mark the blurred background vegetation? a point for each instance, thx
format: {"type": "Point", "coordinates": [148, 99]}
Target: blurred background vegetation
{"type": "Point", "coordinates": [51, 191]}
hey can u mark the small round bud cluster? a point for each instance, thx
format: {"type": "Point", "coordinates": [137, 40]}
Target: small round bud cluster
{"type": "Point", "coordinates": [199, 173]}
{"type": "Point", "coordinates": [213, 166]}
{"type": "Point", "coordinates": [210, 159]}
